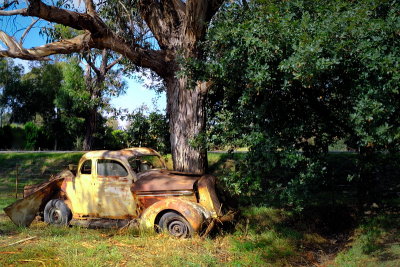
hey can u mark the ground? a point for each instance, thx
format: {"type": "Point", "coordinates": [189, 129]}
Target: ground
{"type": "Point", "coordinates": [262, 236]}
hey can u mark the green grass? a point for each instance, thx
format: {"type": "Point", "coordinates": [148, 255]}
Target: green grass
{"type": "Point", "coordinates": [263, 236]}
{"type": "Point", "coordinates": [376, 243]}
{"type": "Point", "coordinates": [85, 247]}
{"type": "Point", "coordinates": [31, 168]}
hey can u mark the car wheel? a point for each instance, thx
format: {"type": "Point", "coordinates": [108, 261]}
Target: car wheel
{"type": "Point", "coordinates": [175, 225]}
{"type": "Point", "coordinates": [57, 213]}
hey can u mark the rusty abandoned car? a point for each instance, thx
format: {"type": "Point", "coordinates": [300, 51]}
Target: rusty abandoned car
{"type": "Point", "coordinates": [120, 187]}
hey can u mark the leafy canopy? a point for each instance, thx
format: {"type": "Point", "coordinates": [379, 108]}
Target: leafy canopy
{"type": "Point", "coordinates": [294, 76]}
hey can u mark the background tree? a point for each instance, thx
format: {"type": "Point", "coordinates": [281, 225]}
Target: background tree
{"type": "Point", "coordinates": [151, 34]}
{"type": "Point", "coordinates": [148, 129]}
{"type": "Point", "coordinates": [101, 81]}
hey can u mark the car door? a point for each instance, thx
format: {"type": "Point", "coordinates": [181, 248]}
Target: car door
{"type": "Point", "coordinates": [80, 190]}
{"type": "Point", "coordinates": [113, 195]}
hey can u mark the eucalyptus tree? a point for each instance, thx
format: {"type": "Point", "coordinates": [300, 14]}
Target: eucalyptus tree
{"type": "Point", "coordinates": [102, 75]}
{"type": "Point", "coordinates": [151, 34]}
{"type": "Point", "coordinates": [101, 82]}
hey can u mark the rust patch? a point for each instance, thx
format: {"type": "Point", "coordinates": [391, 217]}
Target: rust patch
{"type": "Point", "coordinates": [147, 199]}
{"type": "Point", "coordinates": [160, 180]}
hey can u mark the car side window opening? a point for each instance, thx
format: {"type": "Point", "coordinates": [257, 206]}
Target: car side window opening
{"type": "Point", "coordinates": [87, 167]}
{"type": "Point", "coordinates": [106, 167]}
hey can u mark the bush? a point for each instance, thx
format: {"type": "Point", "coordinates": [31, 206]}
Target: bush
{"type": "Point", "coordinates": [290, 179]}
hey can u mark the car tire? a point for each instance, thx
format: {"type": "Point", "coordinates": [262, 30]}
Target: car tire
{"type": "Point", "coordinates": [175, 225]}
{"type": "Point", "coordinates": [57, 212]}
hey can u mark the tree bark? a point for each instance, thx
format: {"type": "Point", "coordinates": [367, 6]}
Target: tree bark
{"type": "Point", "coordinates": [186, 111]}
{"type": "Point", "coordinates": [90, 124]}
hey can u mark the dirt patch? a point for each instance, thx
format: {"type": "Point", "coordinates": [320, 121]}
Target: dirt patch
{"type": "Point", "coordinates": [326, 231]}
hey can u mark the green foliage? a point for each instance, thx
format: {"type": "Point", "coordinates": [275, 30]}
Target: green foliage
{"type": "Point", "coordinates": [56, 98]}
{"type": "Point", "coordinates": [149, 130]}
{"type": "Point", "coordinates": [73, 97]}
{"type": "Point", "coordinates": [32, 135]}
{"type": "Point", "coordinates": [295, 76]}
{"type": "Point", "coordinates": [116, 139]}
{"type": "Point", "coordinates": [35, 94]}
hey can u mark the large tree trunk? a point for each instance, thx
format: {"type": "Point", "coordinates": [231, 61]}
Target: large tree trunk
{"type": "Point", "coordinates": [90, 124]}
{"type": "Point", "coordinates": [186, 111]}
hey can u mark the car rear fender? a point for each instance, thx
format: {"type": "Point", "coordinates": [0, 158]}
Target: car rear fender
{"type": "Point", "coordinates": [193, 213]}
{"type": "Point", "coordinates": [207, 195]}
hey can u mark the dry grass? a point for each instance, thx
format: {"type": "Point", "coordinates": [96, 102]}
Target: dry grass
{"type": "Point", "coordinates": [262, 237]}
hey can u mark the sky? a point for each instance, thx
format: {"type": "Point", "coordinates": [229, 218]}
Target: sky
{"type": "Point", "coordinates": [136, 95]}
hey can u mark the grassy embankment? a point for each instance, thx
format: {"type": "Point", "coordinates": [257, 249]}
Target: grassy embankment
{"type": "Point", "coordinates": [261, 237]}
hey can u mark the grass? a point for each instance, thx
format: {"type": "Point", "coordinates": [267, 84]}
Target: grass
{"type": "Point", "coordinates": [376, 243]}
{"type": "Point", "coordinates": [85, 247]}
{"type": "Point", "coordinates": [31, 168]}
{"type": "Point", "coordinates": [262, 236]}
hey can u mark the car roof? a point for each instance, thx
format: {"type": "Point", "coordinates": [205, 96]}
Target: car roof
{"type": "Point", "coordinates": [123, 153]}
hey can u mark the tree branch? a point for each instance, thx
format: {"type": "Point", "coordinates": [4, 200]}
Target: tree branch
{"type": "Point", "coordinates": [104, 59]}
{"type": "Point", "coordinates": [27, 31]}
{"type": "Point", "coordinates": [92, 65]}
{"type": "Point", "coordinates": [162, 19]}
{"type": "Point", "coordinates": [15, 50]}
{"type": "Point", "coordinates": [97, 35]}
{"type": "Point", "coordinates": [198, 15]}
{"type": "Point", "coordinates": [7, 5]}
{"type": "Point", "coordinates": [153, 59]}
{"type": "Point", "coordinates": [113, 63]}
{"type": "Point", "coordinates": [90, 9]}
{"type": "Point", "coordinates": [76, 20]}
{"type": "Point", "coordinates": [180, 8]}
{"type": "Point", "coordinates": [22, 11]}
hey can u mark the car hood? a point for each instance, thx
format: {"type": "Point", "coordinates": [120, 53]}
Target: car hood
{"type": "Point", "coordinates": [163, 180]}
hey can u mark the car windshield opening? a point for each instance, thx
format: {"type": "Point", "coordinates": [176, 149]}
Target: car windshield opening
{"type": "Point", "coordinates": [145, 163]}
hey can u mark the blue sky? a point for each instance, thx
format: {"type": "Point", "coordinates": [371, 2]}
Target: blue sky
{"type": "Point", "coordinates": [136, 94]}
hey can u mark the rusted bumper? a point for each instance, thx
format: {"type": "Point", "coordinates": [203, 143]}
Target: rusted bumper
{"type": "Point", "coordinates": [220, 220]}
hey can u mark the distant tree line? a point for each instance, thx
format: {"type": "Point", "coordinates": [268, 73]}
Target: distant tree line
{"type": "Point", "coordinates": [47, 108]}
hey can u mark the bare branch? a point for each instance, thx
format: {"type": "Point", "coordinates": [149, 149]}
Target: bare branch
{"type": "Point", "coordinates": [104, 59]}
{"type": "Point", "coordinates": [27, 31]}
{"type": "Point", "coordinates": [90, 9]}
{"type": "Point", "coordinates": [153, 59]}
{"type": "Point", "coordinates": [15, 50]}
{"type": "Point", "coordinates": [97, 35]}
{"type": "Point", "coordinates": [114, 63]}
{"type": "Point", "coordinates": [76, 20]}
{"type": "Point", "coordinates": [91, 64]}
{"type": "Point", "coordinates": [22, 11]}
